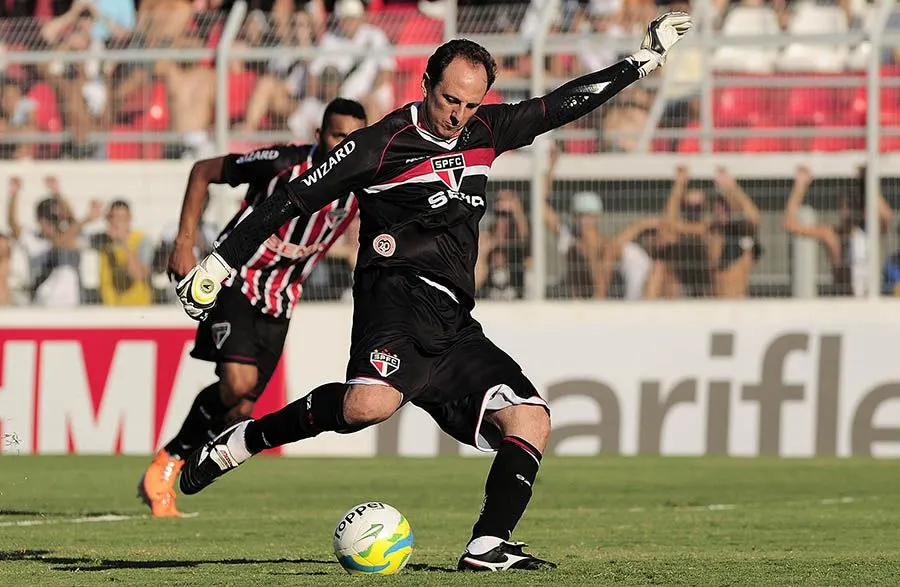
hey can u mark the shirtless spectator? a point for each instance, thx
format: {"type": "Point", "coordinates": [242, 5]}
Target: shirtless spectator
{"type": "Point", "coordinates": [353, 48]}
{"type": "Point", "coordinates": [624, 120]}
{"type": "Point", "coordinates": [278, 92]}
{"type": "Point", "coordinates": [710, 244]}
{"type": "Point", "coordinates": [845, 242]}
{"type": "Point", "coordinates": [683, 263]}
{"type": "Point", "coordinates": [16, 117]}
{"type": "Point", "coordinates": [83, 87]}
{"type": "Point", "coordinates": [734, 237]}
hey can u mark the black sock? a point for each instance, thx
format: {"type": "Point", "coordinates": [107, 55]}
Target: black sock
{"type": "Point", "coordinates": [320, 411]}
{"type": "Point", "coordinates": [204, 421]}
{"type": "Point", "coordinates": [267, 218]}
{"type": "Point", "coordinates": [508, 488]}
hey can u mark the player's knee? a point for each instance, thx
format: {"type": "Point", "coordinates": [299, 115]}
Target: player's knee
{"type": "Point", "coordinates": [238, 383]}
{"type": "Point", "coordinates": [365, 405]}
{"type": "Point", "coordinates": [527, 421]}
{"type": "Point", "coordinates": [243, 409]}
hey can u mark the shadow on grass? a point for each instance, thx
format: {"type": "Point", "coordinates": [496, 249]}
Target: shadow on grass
{"type": "Point", "coordinates": [84, 564]}
{"type": "Point", "coordinates": [48, 515]}
{"type": "Point", "coordinates": [87, 564]}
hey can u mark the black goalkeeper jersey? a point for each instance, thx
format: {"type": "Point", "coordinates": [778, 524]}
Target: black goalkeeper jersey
{"type": "Point", "coordinates": [421, 197]}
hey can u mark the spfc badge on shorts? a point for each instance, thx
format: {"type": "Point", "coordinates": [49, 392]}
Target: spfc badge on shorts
{"type": "Point", "coordinates": [384, 362]}
{"type": "Point", "coordinates": [333, 217]}
{"type": "Point", "coordinates": [384, 245]}
{"type": "Point", "coordinates": [220, 332]}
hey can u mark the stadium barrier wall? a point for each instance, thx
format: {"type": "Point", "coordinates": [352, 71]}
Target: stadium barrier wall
{"type": "Point", "coordinates": [787, 378]}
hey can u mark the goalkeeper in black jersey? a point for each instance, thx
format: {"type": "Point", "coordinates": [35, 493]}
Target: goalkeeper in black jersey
{"type": "Point", "coordinates": [420, 175]}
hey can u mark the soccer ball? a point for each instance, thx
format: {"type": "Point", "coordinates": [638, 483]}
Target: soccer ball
{"type": "Point", "coordinates": [373, 538]}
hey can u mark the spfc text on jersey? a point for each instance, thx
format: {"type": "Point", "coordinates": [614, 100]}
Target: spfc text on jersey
{"type": "Point", "coordinates": [443, 198]}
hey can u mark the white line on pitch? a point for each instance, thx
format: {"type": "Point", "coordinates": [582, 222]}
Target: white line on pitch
{"type": "Point", "coordinates": [719, 507]}
{"type": "Point", "coordinates": [83, 520]}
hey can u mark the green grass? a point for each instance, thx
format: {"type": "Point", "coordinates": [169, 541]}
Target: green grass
{"type": "Point", "coordinates": [606, 521]}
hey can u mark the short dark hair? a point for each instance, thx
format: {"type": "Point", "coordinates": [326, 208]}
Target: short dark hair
{"type": "Point", "coordinates": [343, 107]}
{"type": "Point", "coordinates": [119, 204]}
{"type": "Point", "coordinates": [466, 49]}
{"type": "Point", "coordinates": [48, 209]}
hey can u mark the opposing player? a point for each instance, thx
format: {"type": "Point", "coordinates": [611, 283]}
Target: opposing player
{"type": "Point", "coordinates": [245, 333]}
{"type": "Point", "coordinates": [421, 174]}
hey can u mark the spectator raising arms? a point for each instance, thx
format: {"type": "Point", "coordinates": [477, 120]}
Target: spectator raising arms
{"type": "Point", "coordinates": [683, 264]}
{"type": "Point", "coordinates": [578, 240]}
{"type": "Point", "coordinates": [734, 238]}
{"type": "Point", "coordinates": [845, 242]}
{"type": "Point", "coordinates": [53, 255]}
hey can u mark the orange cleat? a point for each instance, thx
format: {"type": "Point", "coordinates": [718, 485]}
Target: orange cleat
{"type": "Point", "coordinates": [157, 487]}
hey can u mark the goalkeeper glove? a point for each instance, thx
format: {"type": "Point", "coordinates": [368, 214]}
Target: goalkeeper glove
{"type": "Point", "coordinates": [662, 34]}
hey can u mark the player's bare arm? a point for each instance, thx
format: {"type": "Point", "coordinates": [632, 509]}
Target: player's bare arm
{"type": "Point", "coordinates": [12, 207]}
{"type": "Point", "coordinates": [203, 173]}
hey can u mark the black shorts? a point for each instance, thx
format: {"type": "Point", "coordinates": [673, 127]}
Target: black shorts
{"type": "Point", "coordinates": [236, 332]}
{"type": "Point", "coordinates": [413, 336]}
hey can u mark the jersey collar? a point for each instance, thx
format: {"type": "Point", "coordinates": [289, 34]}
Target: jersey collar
{"type": "Point", "coordinates": [448, 144]}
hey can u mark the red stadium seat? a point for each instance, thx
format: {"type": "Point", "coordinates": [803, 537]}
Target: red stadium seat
{"type": "Point", "coordinates": [581, 146]}
{"type": "Point", "coordinates": [154, 119]}
{"type": "Point", "coordinates": [811, 106]}
{"type": "Point", "coordinates": [46, 116]}
{"type": "Point", "coordinates": [689, 144]}
{"type": "Point", "coordinates": [738, 106]}
{"type": "Point", "coordinates": [122, 150]}
{"type": "Point", "coordinates": [764, 145]}
{"type": "Point", "coordinates": [890, 144]}
{"type": "Point", "coordinates": [692, 144]}
{"type": "Point", "coordinates": [831, 144]}
{"type": "Point", "coordinates": [240, 88]}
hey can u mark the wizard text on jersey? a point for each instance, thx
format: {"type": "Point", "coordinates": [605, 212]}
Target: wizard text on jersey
{"type": "Point", "coordinates": [333, 159]}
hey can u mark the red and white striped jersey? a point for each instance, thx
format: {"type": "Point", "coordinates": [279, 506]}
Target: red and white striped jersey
{"type": "Point", "coordinates": [273, 278]}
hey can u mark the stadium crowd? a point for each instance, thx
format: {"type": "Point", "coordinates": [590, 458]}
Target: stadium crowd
{"type": "Point", "coordinates": [91, 106]}
{"type": "Point", "coordinates": [701, 243]}
{"type": "Point", "coordinates": [705, 241]}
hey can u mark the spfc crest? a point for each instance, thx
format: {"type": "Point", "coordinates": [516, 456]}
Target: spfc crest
{"type": "Point", "coordinates": [449, 169]}
{"type": "Point", "coordinates": [384, 362]}
{"type": "Point", "coordinates": [333, 217]}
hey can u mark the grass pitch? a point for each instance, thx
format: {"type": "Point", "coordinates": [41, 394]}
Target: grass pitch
{"type": "Point", "coordinates": [606, 521]}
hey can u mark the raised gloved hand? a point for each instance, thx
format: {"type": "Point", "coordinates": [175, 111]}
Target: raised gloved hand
{"type": "Point", "coordinates": [662, 34]}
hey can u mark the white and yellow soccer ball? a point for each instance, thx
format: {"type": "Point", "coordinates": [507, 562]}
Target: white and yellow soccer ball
{"type": "Point", "coordinates": [373, 538]}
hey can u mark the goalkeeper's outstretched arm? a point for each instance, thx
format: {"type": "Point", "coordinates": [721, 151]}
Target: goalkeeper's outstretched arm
{"type": "Point", "coordinates": [582, 95]}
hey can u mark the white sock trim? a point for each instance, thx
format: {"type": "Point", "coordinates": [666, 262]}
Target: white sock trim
{"type": "Point", "coordinates": [236, 444]}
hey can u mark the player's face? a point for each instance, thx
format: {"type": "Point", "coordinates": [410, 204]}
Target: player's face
{"type": "Point", "coordinates": [338, 128]}
{"type": "Point", "coordinates": [454, 99]}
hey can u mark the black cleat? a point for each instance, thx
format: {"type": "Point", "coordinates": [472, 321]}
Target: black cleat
{"type": "Point", "coordinates": [503, 557]}
{"type": "Point", "coordinates": [209, 462]}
